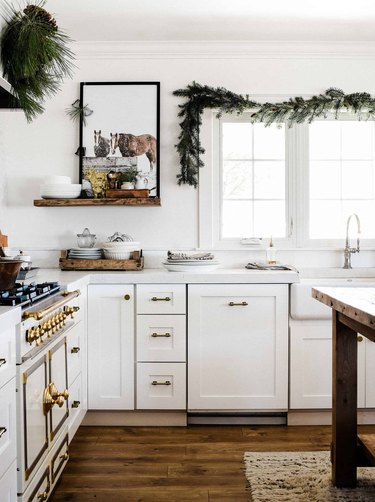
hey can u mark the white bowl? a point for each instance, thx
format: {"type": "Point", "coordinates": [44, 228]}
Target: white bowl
{"type": "Point", "coordinates": [60, 186]}
{"type": "Point", "coordinates": [121, 245]}
{"type": "Point", "coordinates": [117, 255]}
{"type": "Point", "coordinates": [57, 180]}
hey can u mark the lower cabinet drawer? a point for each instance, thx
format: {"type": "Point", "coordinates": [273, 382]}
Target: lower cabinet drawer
{"type": "Point", "coordinates": [8, 445]}
{"type": "Point", "coordinates": [161, 386]}
{"type": "Point", "coordinates": [8, 484]}
{"type": "Point", "coordinates": [60, 456]}
{"type": "Point", "coordinates": [161, 338]}
{"type": "Point", "coordinates": [39, 488]}
{"type": "Point", "coordinates": [77, 405]}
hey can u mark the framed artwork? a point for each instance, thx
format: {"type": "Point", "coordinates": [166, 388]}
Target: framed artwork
{"type": "Point", "coordinates": [119, 139]}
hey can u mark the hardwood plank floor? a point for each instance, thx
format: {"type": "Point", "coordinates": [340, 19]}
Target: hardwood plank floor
{"type": "Point", "coordinates": [173, 464]}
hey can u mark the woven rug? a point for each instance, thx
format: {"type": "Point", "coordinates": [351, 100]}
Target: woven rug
{"type": "Point", "coordinates": [302, 476]}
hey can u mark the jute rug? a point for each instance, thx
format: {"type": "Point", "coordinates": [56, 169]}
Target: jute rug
{"type": "Point", "coordinates": [302, 476]}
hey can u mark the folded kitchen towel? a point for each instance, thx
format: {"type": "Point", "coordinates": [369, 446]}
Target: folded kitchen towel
{"type": "Point", "coordinates": [183, 256]}
{"type": "Point", "coordinates": [265, 266]}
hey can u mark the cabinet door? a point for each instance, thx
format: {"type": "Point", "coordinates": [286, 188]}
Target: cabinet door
{"type": "Point", "coordinates": [238, 347]}
{"type": "Point", "coordinates": [311, 366]}
{"type": "Point", "coordinates": [8, 450]}
{"type": "Point", "coordinates": [8, 484]}
{"type": "Point", "coordinates": [370, 373]}
{"type": "Point", "coordinates": [111, 347]}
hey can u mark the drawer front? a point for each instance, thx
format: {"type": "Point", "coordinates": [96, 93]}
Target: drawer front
{"type": "Point", "coordinates": [77, 405]}
{"type": "Point", "coordinates": [8, 484]}
{"type": "Point", "coordinates": [161, 386]}
{"type": "Point", "coordinates": [8, 448]}
{"type": "Point", "coordinates": [161, 338]}
{"type": "Point", "coordinates": [7, 356]}
{"type": "Point", "coordinates": [39, 488]}
{"type": "Point", "coordinates": [161, 299]}
{"type": "Point", "coordinates": [60, 456]}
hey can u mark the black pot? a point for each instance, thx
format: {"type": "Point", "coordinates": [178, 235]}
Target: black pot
{"type": "Point", "coordinates": [8, 273]}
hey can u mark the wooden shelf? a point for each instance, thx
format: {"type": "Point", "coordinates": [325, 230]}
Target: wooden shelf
{"type": "Point", "coordinates": [136, 201]}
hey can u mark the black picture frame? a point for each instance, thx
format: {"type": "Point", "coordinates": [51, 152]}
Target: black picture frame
{"type": "Point", "coordinates": [121, 134]}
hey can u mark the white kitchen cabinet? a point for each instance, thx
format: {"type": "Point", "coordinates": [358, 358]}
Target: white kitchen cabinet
{"type": "Point", "coordinates": [110, 347]}
{"type": "Point", "coordinates": [238, 347]}
{"type": "Point", "coordinates": [311, 367]}
{"type": "Point", "coordinates": [161, 347]}
{"type": "Point", "coordinates": [8, 429]}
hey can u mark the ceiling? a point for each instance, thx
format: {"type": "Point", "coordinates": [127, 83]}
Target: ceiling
{"type": "Point", "coordinates": [288, 20]}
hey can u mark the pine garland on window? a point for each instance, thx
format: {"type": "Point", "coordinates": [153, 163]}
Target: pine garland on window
{"type": "Point", "coordinates": [34, 55]}
{"type": "Point", "coordinates": [293, 111]}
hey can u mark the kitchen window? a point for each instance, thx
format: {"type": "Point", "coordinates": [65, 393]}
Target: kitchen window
{"type": "Point", "coordinates": [297, 184]}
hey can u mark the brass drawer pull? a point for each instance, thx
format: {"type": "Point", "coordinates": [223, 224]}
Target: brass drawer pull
{"type": "Point", "coordinates": [65, 456]}
{"type": "Point", "coordinates": [360, 338]}
{"type": "Point", "coordinates": [2, 361]}
{"type": "Point", "coordinates": [156, 299]}
{"type": "Point", "coordinates": [44, 495]}
{"type": "Point", "coordinates": [75, 350]}
{"type": "Point", "coordinates": [241, 304]}
{"type": "Point", "coordinates": [75, 404]}
{"type": "Point", "coordinates": [2, 431]}
{"type": "Point", "coordinates": [167, 382]}
{"type": "Point", "coordinates": [165, 335]}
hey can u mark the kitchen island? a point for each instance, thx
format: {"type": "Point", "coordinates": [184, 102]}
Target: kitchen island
{"type": "Point", "coordinates": [353, 312]}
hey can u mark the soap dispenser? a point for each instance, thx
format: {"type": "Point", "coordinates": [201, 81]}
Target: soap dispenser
{"type": "Point", "coordinates": [271, 254]}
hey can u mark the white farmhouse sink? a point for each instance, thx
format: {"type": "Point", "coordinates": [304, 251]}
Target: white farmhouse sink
{"type": "Point", "coordinates": [303, 306]}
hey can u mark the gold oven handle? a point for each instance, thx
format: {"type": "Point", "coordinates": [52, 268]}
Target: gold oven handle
{"type": "Point", "coordinates": [52, 396]}
{"type": "Point", "coordinates": [39, 314]}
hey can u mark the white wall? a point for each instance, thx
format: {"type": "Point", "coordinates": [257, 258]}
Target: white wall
{"type": "Point", "coordinates": [28, 152]}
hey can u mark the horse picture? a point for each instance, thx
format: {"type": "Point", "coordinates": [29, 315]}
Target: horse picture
{"type": "Point", "coordinates": [133, 146]}
{"type": "Point", "coordinates": [101, 145]}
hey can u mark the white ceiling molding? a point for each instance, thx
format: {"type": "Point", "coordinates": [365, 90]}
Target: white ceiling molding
{"type": "Point", "coordinates": [223, 50]}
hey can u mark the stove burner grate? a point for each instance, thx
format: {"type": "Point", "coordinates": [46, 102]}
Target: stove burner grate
{"type": "Point", "coordinates": [25, 294]}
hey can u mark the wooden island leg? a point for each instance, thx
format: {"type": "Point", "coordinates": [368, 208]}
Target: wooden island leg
{"type": "Point", "coordinates": [344, 404]}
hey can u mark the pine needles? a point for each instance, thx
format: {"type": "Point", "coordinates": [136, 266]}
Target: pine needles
{"type": "Point", "coordinates": [293, 111]}
{"type": "Point", "coordinates": [34, 55]}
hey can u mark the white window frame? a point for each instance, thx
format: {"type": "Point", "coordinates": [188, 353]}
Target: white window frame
{"type": "Point", "coordinates": [296, 191]}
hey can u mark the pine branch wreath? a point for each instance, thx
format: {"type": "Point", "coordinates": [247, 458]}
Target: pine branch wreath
{"type": "Point", "coordinates": [296, 110]}
{"type": "Point", "coordinates": [34, 55]}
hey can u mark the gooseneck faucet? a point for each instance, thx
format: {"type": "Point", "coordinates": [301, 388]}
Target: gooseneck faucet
{"type": "Point", "coordinates": [348, 250]}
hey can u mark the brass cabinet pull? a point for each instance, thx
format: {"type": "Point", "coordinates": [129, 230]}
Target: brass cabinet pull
{"type": "Point", "coordinates": [2, 431]}
{"type": "Point", "coordinates": [165, 335]}
{"type": "Point", "coordinates": [75, 350]}
{"type": "Point", "coordinates": [126, 297]}
{"type": "Point", "coordinates": [75, 404]}
{"type": "Point", "coordinates": [44, 495]}
{"type": "Point", "coordinates": [156, 299]}
{"type": "Point", "coordinates": [2, 361]}
{"type": "Point", "coordinates": [240, 304]}
{"type": "Point", "coordinates": [64, 456]}
{"type": "Point", "coordinates": [155, 382]}
{"type": "Point", "coordinates": [360, 338]}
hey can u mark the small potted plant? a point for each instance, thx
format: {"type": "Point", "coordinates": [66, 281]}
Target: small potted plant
{"type": "Point", "coordinates": [128, 178]}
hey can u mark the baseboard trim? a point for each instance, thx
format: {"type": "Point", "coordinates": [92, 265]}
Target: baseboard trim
{"type": "Point", "coordinates": [135, 418]}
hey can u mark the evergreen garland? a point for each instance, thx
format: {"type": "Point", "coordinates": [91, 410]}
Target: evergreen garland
{"type": "Point", "coordinates": [34, 55]}
{"type": "Point", "coordinates": [293, 111]}
{"type": "Point", "coordinates": [78, 112]}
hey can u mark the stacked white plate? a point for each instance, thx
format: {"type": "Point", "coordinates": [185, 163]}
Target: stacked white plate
{"type": "Point", "coordinates": [60, 187]}
{"type": "Point", "coordinates": [120, 250]}
{"type": "Point", "coordinates": [85, 253]}
{"type": "Point", "coordinates": [201, 266]}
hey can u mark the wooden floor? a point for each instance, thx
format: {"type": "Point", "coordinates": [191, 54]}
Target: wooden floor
{"type": "Point", "coordinates": [154, 464]}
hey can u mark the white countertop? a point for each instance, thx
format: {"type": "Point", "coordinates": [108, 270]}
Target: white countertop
{"type": "Point", "coordinates": [219, 276]}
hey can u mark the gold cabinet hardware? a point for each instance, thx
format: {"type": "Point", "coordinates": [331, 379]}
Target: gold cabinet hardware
{"type": "Point", "coordinates": [2, 361]}
{"type": "Point", "coordinates": [155, 382]}
{"type": "Point", "coordinates": [52, 396]}
{"type": "Point", "coordinates": [75, 350]}
{"type": "Point", "coordinates": [70, 311]}
{"type": "Point", "coordinates": [39, 314]}
{"type": "Point", "coordinates": [126, 297]}
{"type": "Point", "coordinates": [360, 338]}
{"type": "Point", "coordinates": [64, 456]}
{"type": "Point", "coordinates": [165, 335]}
{"type": "Point", "coordinates": [2, 431]}
{"type": "Point", "coordinates": [240, 304]}
{"type": "Point", "coordinates": [44, 495]}
{"type": "Point", "coordinates": [76, 404]}
{"type": "Point", "coordinates": [156, 299]}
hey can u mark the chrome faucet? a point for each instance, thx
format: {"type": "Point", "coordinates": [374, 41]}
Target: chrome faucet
{"type": "Point", "coordinates": [348, 250]}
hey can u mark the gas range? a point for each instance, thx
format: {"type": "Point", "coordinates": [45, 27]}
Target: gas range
{"type": "Point", "coordinates": [23, 294]}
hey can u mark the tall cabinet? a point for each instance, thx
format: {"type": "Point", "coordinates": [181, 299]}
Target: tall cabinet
{"type": "Point", "coordinates": [238, 347]}
{"type": "Point", "coordinates": [111, 347]}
